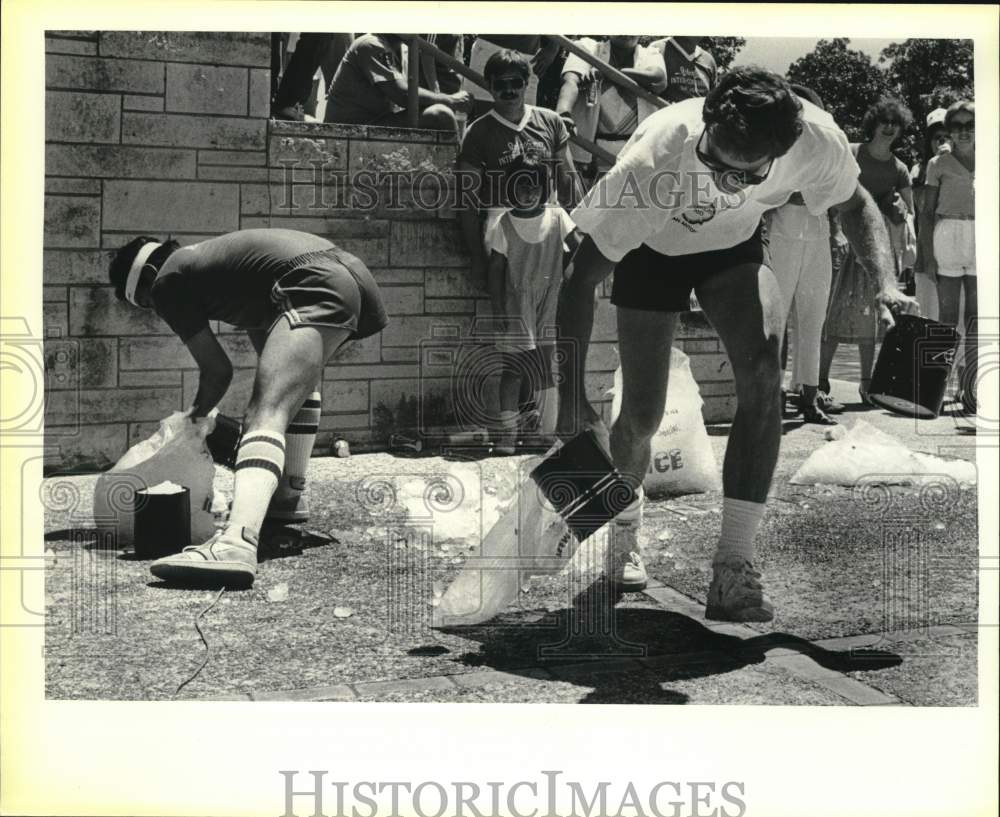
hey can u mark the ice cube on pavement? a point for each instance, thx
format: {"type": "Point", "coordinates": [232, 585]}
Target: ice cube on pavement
{"type": "Point", "coordinates": [278, 593]}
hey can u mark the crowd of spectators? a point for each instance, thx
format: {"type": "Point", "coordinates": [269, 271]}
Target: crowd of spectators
{"type": "Point", "coordinates": [536, 92]}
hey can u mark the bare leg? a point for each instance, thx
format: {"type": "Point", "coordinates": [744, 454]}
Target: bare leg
{"type": "Point", "coordinates": [510, 388]}
{"type": "Point", "coordinates": [866, 356]}
{"type": "Point", "coordinates": [300, 438]}
{"type": "Point", "coordinates": [949, 311]}
{"type": "Point", "coordinates": [291, 363]}
{"type": "Point", "coordinates": [438, 117]}
{"type": "Point", "coordinates": [744, 306]}
{"type": "Point", "coordinates": [644, 340]}
{"type": "Point", "coordinates": [949, 298]}
{"type": "Point", "coordinates": [971, 339]}
{"type": "Point", "coordinates": [511, 380]}
{"type": "Point", "coordinates": [827, 350]}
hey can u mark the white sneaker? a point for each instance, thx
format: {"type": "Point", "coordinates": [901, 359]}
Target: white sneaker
{"type": "Point", "coordinates": [630, 572]}
{"type": "Point", "coordinates": [228, 558]}
{"type": "Point", "coordinates": [628, 568]}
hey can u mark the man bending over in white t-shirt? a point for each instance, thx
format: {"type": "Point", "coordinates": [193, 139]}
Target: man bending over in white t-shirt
{"type": "Point", "coordinates": [681, 210]}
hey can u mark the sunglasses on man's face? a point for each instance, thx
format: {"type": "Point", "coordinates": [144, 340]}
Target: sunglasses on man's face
{"type": "Point", "coordinates": [512, 84]}
{"type": "Point", "coordinates": [968, 126]}
{"type": "Point", "coordinates": [894, 122]}
{"type": "Point", "coordinates": [735, 174]}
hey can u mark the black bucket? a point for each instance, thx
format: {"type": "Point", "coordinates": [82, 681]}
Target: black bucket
{"type": "Point", "coordinates": [162, 523]}
{"type": "Point", "coordinates": [224, 440]}
{"type": "Point", "coordinates": [911, 374]}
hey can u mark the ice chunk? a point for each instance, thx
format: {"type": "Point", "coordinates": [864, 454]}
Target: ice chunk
{"type": "Point", "coordinates": [865, 452]}
{"type": "Point", "coordinates": [166, 487]}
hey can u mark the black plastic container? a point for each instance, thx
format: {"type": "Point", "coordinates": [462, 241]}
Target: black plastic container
{"type": "Point", "coordinates": [162, 523]}
{"type": "Point", "coordinates": [225, 440]}
{"type": "Point", "coordinates": [911, 374]}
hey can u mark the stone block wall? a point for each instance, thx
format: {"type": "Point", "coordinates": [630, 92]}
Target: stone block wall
{"type": "Point", "coordinates": [167, 132]}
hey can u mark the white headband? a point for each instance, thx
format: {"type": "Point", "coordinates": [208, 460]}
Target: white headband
{"type": "Point", "coordinates": [135, 271]}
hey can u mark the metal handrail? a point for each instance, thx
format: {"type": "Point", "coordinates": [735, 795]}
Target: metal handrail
{"type": "Point", "coordinates": [612, 73]}
{"type": "Point", "coordinates": [413, 81]}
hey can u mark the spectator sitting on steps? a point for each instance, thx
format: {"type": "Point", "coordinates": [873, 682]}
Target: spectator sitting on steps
{"type": "Point", "coordinates": [370, 88]}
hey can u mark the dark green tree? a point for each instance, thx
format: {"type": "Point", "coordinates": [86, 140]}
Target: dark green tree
{"type": "Point", "coordinates": [929, 74]}
{"type": "Point", "coordinates": [723, 49]}
{"type": "Point", "coordinates": [846, 80]}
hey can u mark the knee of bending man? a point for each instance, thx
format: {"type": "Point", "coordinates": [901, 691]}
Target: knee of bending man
{"type": "Point", "coordinates": [640, 422]}
{"type": "Point", "coordinates": [759, 379]}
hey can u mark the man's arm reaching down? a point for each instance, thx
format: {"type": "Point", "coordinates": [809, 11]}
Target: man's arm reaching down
{"type": "Point", "coordinates": [575, 320]}
{"type": "Point", "coordinates": [862, 223]}
{"type": "Point", "coordinates": [215, 371]}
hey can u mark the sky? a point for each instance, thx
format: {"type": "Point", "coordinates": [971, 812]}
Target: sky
{"type": "Point", "coordinates": [777, 53]}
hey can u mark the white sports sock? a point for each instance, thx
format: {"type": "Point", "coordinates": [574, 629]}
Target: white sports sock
{"type": "Point", "coordinates": [259, 461]}
{"type": "Point", "coordinates": [740, 520]}
{"type": "Point", "coordinates": [625, 526]}
{"type": "Point", "coordinates": [300, 437]}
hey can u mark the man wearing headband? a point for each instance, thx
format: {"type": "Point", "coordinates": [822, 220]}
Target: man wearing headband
{"type": "Point", "coordinates": [300, 299]}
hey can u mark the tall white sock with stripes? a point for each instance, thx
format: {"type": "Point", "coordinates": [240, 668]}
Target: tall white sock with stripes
{"type": "Point", "coordinates": [300, 437]}
{"type": "Point", "coordinates": [259, 462]}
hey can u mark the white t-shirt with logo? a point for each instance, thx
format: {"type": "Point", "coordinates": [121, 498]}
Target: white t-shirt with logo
{"type": "Point", "coordinates": [660, 194]}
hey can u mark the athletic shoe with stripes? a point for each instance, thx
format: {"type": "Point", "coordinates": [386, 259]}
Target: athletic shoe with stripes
{"type": "Point", "coordinates": [228, 559]}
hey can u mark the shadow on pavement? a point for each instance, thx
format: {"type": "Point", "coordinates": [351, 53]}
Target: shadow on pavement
{"type": "Point", "coordinates": [583, 645]}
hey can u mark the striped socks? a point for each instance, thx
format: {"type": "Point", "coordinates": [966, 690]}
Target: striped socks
{"type": "Point", "coordinates": [740, 520]}
{"type": "Point", "coordinates": [259, 463]}
{"type": "Point", "coordinates": [299, 440]}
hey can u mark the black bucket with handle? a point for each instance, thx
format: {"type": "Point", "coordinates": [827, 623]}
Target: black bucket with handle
{"type": "Point", "coordinates": [913, 367]}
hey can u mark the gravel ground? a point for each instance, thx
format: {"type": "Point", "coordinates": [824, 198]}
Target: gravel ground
{"type": "Point", "coordinates": [834, 565]}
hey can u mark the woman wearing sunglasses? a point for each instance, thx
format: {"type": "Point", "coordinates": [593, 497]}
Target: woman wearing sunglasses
{"type": "Point", "coordinates": [850, 316]}
{"type": "Point", "coordinates": [948, 234]}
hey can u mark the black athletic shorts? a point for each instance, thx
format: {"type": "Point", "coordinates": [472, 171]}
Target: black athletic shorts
{"type": "Point", "coordinates": [330, 288]}
{"type": "Point", "coordinates": [649, 280]}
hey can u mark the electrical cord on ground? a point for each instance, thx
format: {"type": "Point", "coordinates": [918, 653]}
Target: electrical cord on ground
{"type": "Point", "coordinates": [208, 647]}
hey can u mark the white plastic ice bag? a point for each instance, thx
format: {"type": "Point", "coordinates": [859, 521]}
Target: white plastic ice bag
{"type": "Point", "coordinates": [682, 460]}
{"type": "Point", "coordinates": [867, 453]}
{"type": "Point", "coordinates": [175, 453]}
